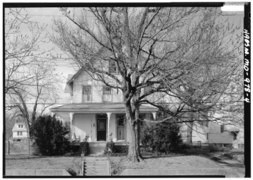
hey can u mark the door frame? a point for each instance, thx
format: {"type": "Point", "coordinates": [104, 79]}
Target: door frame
{"type": "Point", "coordinates": [105, 126]}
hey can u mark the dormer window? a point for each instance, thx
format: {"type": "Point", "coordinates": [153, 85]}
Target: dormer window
{"type": "Point", "coordinates": [86, 94]}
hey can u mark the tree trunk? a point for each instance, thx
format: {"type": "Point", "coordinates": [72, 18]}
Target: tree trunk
{"type": "Point", "coordinates": [190, 126]}
{"type": "Point", "coordinates": [133, 144]}
{"type": "Point", "coordinates": [133, 150]}
{"type": "Point", "coordinates": [137, 131]}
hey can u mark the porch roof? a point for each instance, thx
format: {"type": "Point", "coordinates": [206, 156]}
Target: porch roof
{"type": "Point", "coordinates": [98, 107]}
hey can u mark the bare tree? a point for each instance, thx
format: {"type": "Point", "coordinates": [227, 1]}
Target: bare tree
{"type": "Point", "coordinates": [39, 93]}
{"type": "Point", "coordinates": [21, 37]}
{"type": "Point", "coordinates": [29, 82]}
{"type": "Point", "coordinates": [155, 50]}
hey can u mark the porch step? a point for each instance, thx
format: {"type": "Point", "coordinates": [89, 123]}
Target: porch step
{"type": "Point", "coordinates": [96, 167]}
{"type": "Point", "coordinates": [97, 147]}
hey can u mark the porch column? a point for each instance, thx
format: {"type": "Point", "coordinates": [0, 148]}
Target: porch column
{"type": "Point", "coordinates": [154, 115]}
{"type": "Point", "coordinates": [108, 125]}
{"type": "Point", "coordinates": [71, 119]}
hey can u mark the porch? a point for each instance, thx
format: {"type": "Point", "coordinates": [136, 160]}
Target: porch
{"type": "Point", "coordinates": [101, 122]}
{"type": "Point", "coordinates": [97, 148]}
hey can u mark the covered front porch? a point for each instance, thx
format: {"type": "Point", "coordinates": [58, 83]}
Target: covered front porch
{"type": "Point", "coordinates": [101, 122]}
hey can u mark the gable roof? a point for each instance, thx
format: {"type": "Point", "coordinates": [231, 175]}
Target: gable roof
{"type": "Point", "coordinates": [17, 128]}
{"type": "Point", "coordinates": [75, 75]}
{"type": "Point", "coordinates": [99, 52]}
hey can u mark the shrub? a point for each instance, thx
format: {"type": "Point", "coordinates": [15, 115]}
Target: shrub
{"type": "Point", "coordinates": [109, 148]}
{"type": "Point", "coordinates": [121, 149]}
{"type": "Point", "coordinates": [163, 137]}
{"type": "Point", "coordinates": [147, 138]}
{"type": "Point", "coordinates": [215, 148]}
{"type": "Point", "coordinates": [49, 135]}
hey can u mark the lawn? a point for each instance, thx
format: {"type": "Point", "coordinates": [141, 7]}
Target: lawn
{"type": "Point", "coordinates": [176, 162]}
{"type": "Point", "coordinates": [172, 162]}
{"type": "Point", "coordinates": [120, 163]}
{"type": "Point", "coordinates": [36, 162]}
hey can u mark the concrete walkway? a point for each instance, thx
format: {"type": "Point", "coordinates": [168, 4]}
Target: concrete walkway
{"type": "Point", "coordinates": [96, 166]}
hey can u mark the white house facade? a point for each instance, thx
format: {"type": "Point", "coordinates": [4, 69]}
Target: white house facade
{"type": "Point", "coordinates": [96, 111]}
{"type": "Point", "coordinates": [19, 131]}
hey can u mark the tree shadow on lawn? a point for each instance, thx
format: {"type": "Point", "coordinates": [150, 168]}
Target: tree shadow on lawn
{"type": "Point", "coordinates": [217, 156]}
{"type": "Point", "coordinates": [221, 161]}
{"type": "Point", "coordinates": [155, 156]}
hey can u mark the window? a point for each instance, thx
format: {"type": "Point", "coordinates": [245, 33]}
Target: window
{"type": "Point", "coordinates": [222, 128]}
{"type": "Point", "coordinates": [107, 94]}
{"type": "Point", "coordinates": [20, 125]}
{"type": "Point", "coordinates": [106, 90]}
{"type": "Point", "coordinates": [19, 133]}
{"type": "Point", "coordinates": [113, 67]}
{"type": "Point", "coordinates": [121, 126]}
{"type": "Point", "coordinates": [203, 123]}
{"type": "Point", "coordinates": [86, 94]}
{"type": "Point", "coordinates": [120, 119]}
{"type": "Point", "coordinates": [142, 117]}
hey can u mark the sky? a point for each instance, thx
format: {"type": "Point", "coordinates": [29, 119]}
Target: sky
{"type": "Point", "coordinates": [46, 16]}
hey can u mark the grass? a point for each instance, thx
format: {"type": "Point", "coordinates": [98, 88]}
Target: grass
{"type": "Point", "coordinates": [118, 163]}
{"type": "Point", "coordinates": [174, 162]}
{"type": "Point", "coordinates": [35, 162]}
{"type": "Point", "coordinates": [191, 157]}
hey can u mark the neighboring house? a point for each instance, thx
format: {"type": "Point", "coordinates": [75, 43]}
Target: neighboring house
{"type": "Point", "coordinates": [19, 130]}
{"type": "Point", "coordinates": [96, 111]}
{"type": "Point", "coordinates": [214, 133]}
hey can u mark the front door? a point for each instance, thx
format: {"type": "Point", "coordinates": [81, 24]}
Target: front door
{"type": "Point", "coordinates": [101, 127]}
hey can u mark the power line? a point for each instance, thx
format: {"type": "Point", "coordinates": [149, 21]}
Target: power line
{"type": "Point", "coordinates": [58, 103]}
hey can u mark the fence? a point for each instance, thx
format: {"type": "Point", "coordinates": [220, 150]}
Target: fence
{"type": "Point", "coordinates": [21, 146]}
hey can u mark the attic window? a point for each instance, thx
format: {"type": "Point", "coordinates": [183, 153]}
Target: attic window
{"type": "Point", "coordinates": [113, 67]}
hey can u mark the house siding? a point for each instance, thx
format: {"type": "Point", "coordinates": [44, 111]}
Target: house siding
{"type": "Point", "coordinates": [96, 90]}
{"type": "Point", "coordinates": [24, 135]}
{"type": "Point", "coordinates": [86, 125]}
{"type": "Point", "coordinates": [199, 133]}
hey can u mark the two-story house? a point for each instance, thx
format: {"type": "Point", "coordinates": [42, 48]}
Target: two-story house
{"type": "Point", "coordinates": [96, 110]}
{"type": "Point", "coordinates": [19, 130]}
